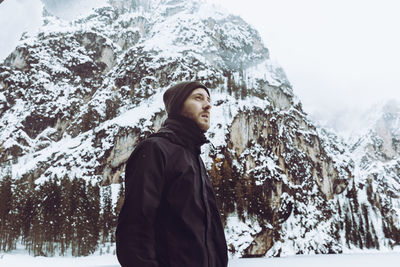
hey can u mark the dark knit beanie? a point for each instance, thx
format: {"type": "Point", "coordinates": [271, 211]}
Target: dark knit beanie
{"type": "Point", "coordinates": [176, 95]}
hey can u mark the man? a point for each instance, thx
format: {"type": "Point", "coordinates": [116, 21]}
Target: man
{"type": "Point", "coordinates": [169, 217]}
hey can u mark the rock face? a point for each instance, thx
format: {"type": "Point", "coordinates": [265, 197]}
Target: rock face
{"type": "Point", "coordinates": [78, 97]}
{"type": "Point", "coordinates": [377, 154]}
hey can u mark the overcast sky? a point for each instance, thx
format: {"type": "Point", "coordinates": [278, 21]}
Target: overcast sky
{"type": "Point", "coordinates": [16, 17]}
{"type": "Point", "coordinates": [338, 54]}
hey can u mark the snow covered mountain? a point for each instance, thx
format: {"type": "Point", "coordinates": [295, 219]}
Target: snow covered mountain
{"type": "Point", "coordinates": [377, 172]}
{"type": "Point", "coordinates": [77, 98]}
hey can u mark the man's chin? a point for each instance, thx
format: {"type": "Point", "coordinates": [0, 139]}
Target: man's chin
{"type": "Point", "coordinates": [204, 126]}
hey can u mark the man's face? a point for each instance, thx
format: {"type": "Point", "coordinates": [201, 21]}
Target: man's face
{"type": "Point", "coordinates": [197, 107]}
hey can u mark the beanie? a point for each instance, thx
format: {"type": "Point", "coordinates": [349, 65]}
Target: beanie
{"type": "Point", "coordinates": [176, 95]}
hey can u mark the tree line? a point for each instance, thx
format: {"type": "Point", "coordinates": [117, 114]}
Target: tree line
{"type": "Point", "coordinates": [59, 216]}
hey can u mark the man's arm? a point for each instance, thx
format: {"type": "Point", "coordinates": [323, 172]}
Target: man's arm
{"type": "Point", "coordinates": [144, 181]}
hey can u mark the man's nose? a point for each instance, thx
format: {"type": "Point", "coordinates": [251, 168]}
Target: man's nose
{"type": "Point", "coordinates": [207, 106]}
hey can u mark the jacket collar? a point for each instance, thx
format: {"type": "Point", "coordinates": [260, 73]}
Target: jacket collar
{"type": "Point", "coordinates": [183, 131]}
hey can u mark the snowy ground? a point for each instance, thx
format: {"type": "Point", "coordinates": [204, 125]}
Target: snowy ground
{"type": "Point", "coordinates": [387, 259]}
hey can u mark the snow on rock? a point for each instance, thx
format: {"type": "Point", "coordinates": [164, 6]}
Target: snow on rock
{"type": "Point", "coordinates": [76, 99]}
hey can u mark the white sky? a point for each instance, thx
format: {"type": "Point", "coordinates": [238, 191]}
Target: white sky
{"type": "Point", "coordinates": [339, 55]}
{"type": "Point", "coordinates": [16, 17]}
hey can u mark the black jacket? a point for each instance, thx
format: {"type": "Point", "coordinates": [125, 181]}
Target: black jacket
{"type": "Point", "coordinates": [169, 217]}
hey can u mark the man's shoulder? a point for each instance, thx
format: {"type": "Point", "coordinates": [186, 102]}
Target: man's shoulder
{"type": "Point", "coordinates": [150, 142]}
{"type": "Point", "coordinates": [165, 135]}
{"type": "Point", "coordinates": [157, 141]}
{"type": "Point", "coordinates": [150, 147]}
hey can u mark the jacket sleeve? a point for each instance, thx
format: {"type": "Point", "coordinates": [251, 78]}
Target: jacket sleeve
{"type": "Point", "coordinates": [144, 182]}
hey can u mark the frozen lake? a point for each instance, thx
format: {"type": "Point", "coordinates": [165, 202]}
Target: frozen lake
{"type": "Point", "coordinates": [374, 259]}
{"type": "Point", "coordinates": [342, 260]}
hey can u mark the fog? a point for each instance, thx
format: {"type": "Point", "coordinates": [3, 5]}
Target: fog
{"type": "Point", "coordinates": [16, 17]}
{"type": "Point", "coordinates": [25, 16]}
{"type": "Point", "coordinates": [341, 56]}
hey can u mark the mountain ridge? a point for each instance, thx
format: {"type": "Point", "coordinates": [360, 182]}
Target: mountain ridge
{"type": "Point", "coordinates": [79, 96]}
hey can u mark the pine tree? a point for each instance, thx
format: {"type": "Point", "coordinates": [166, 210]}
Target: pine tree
{"type": "Point", "coordinates": [66, 212]}
{"type": "Point", "coordinates": [239, 193]}
{"type": "Point", "coordinates": [76, 216]}
{"type": "Point", "coordinates": [93, 216]}
{"type": "Point", "coordinates": [348, 227]}
{"type": "Point", "coordinates": [230, 82]}
{"type": "Point", "coordinates": [25, 206]}
{"type": "Point", "coordinates": [37, 227]}
{"type": "Point", "coordinates": [50, 208]}
{"type": "Point", "coordinates": [107, 215]}
{"type": "Point", "coordinates": [121, 197]}
{"type": "Point", "coordinates": [118, 207]}
{"type": "Point", "coordinates": [6, 236]}
{"type": "Point", "coordinates": [81, 223]}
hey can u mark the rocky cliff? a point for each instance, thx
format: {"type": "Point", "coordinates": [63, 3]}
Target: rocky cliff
{"type": "Point", "coordinates": [377, 172]}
